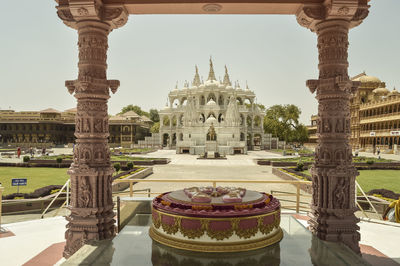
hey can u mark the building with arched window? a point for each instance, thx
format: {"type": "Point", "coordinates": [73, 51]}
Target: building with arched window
{"type": "Point", "coordinates": [213, 116]}
{"type": "Point", "coordinates": [374, 117]}
{"type": "Point", "coordinates": [51, 128]}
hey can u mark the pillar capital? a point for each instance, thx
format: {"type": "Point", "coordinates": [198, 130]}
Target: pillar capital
{"type": "Point", "coordinates": [353, 11]}
{"type": "Point", "coordinates": [74, 11]}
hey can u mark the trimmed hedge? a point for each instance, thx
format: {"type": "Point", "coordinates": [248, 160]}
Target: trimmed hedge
{"type": "Point", "coordinates": [40, 192]}
{"type": "Point", "coordinates": [385, 193]}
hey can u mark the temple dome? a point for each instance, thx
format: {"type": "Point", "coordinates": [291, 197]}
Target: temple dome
{"type": "Point", "coordinates": [394, 92]}
{"type": "Point", "coordinates": [211, 83]}
{"type": "Point", "coordinates": [211, 119]}
{"type": "Point", "coordinates": [367, 79]}
{"type": "Point", "coordinates": [211, 102]}
{"type": "Point", "coordinates": [381, 91]}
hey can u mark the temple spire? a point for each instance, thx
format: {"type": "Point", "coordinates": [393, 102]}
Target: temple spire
{"type": "Point", "coordinates": [196, 79]}
{"type": "Point", "coordinates": [227, 81]}
{"type": "Point", "coordinates": [211, 74]}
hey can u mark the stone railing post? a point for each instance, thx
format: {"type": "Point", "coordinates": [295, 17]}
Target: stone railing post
{"type": "Point", "coordinates": [333, 173]}
{"type": "Point", "coordinates": [92, 216]}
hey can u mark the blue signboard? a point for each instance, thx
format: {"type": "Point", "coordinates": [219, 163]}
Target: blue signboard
{"type": "Point", "coordinates": [18, 181]}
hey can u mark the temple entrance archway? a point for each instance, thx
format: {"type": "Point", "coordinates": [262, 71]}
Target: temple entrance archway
{"type": "Point", "coordinates": [165, 139]}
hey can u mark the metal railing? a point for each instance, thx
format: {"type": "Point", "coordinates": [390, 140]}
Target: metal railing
{"type": "Point", "coordinates": [66, 186]}
{"type": "Point", "coordinates": [1, 200]}
{"type": "Point", "coordinates": [214, 183]}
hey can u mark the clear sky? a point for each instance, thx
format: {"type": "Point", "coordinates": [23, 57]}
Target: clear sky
{"type": "Point", "coordinates": [150, 53]}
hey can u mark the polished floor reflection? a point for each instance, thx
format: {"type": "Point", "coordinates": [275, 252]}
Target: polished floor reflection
{"type": "Point", "coordinates": [133, 246]}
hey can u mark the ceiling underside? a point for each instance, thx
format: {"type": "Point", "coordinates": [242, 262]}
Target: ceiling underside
{"type": "Point", "coordinates": [212, 7]}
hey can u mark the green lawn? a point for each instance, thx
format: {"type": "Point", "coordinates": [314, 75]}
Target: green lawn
{"type": "Point", "coordinates": [377, 179]}
{"type": "Point", "coordinates": [301, 151]}
{"type": "Point", "coordinates": [113, 158]}
{"type": "Point", "coordinates": [133, 150]}
{"type": "Point", "coordinates": [37, 177]}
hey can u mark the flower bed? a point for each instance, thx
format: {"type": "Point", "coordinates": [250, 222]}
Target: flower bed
{"type": "Point", "coordinates": [138, 173]}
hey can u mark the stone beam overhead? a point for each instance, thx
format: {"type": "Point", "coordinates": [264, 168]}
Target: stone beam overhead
{"type": "Point", "coordinates": [142, 7]}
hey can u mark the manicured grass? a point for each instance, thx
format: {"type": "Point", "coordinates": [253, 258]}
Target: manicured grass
{"type": "Point", "coordinates": [113, 158]}
{"type": "Point", "coordinates": [301, 151]}
{"type": "Point", "coordinates": [294, 159]}
{"type": "Point", "coordinates": [53, 157]}
{"type": "Point", "coordinates": [134, 150]}
{"type": "Point", "coordinates": [37, 177]}
{"type": "Point", "coordinates": [377, 179]}
{"type": "Point", "coordinates": [129, 158]}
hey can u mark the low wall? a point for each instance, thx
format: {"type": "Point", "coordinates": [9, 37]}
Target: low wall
{"type": "Point", "coordinates": [139, 175]}
{"type": "Point", "coordinates": [359, 166]}
{"type": "Point", "coordinates": [67, 163]}
{"type": "Point", "coordinates": [288, 164]}
{"type": "Point", "coordinates": [305, 187]}
{"type": "Point", "coordinates": [30, 205]}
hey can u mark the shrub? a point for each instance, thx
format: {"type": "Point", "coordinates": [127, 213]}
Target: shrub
{"type": "Point", "coordinates": [19, 198]}
{"type": "Point", "coordinates": [59, 159]}
{"type": "Point", "coordinates": [117, 167]}
{"type": "Point", "coordinates": [26, 159]}
{"type": "Point", "coordinates": [300, 166]}
{"type": "Point", "coordinates": [370, 162]}
{"type": "Point", "coordinates": [129, 165]}
{"type": "Point", "coordinates": [54, 191]}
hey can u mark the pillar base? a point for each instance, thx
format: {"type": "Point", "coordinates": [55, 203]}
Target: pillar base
{"type": "Point", "coordinates": [88, 224]}
{"type": "Point", "coordinates": [328, 226]}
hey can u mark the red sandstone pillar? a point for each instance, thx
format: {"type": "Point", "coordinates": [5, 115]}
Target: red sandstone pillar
{"type": "Point", "coordinates": [333, 173]}
{"type": "Point", "coordinates": [92, 216]}
{"type": "Point", "coordinates": [333, 204]}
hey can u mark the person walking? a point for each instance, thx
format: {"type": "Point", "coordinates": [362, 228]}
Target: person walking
{"type": "Point", "coordinates": [378, 151]}
{"type": "Point", "coordinates": [19, 152]}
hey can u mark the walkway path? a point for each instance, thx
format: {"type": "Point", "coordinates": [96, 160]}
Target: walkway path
{"type": "Point", "coordinates": [384, 156]}
{"type": "Point", "coordinates": [235, 167]}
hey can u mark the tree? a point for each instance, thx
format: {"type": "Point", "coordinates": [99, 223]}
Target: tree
{"type": "Point", "coordinates": [154, 115]}
{"type": "Point", "coordinates": [300, 134]}
{"type": "Point", "coordinates": [134, 108]}
{"type": "Point", "coordinates": [282, 121]}
{"type": "Point", "coordinates": [155, 128]}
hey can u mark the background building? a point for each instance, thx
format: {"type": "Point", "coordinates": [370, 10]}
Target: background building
{"type": "Point", "coordinates": [49, 128]}
{"type": "Point", "coordinates": [375, 117]}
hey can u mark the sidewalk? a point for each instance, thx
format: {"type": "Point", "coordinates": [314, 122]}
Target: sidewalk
{"type": "Point", "coordinates": [384, 156]}
{"type": "Point", "coordinates": [31, 238]}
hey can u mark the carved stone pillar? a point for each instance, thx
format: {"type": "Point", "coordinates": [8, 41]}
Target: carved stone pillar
{"type": "Point", "coordinates": [333, 173]}
{"type": "Point", "coordinates": [92, 216]}
{"type": "Point", "coordinates": [333, 205]}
